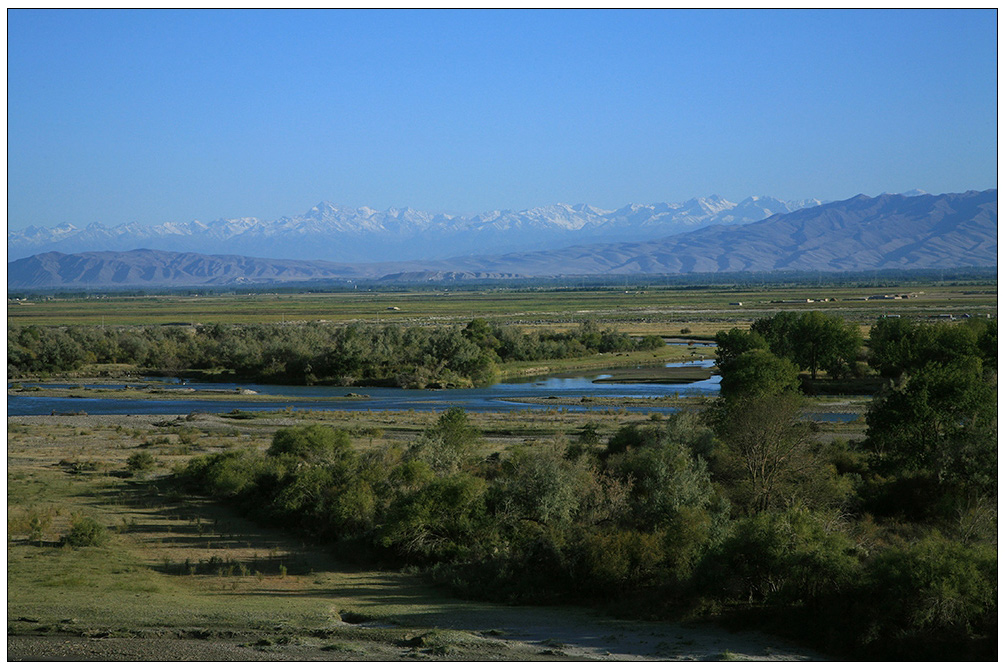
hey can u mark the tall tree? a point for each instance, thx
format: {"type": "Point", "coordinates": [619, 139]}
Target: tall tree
{"type": "Point", "coordinates": [942, 422]}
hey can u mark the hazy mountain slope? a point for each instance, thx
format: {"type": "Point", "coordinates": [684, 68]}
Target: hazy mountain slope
{"type": "Point", "coordinates": [889, 231]}
{"type": "Point", "coordinates": [862, 233]}
{"type": "Point", "coordinates": [104, 269]}
{"type": "Point", "coordinates": [149, 267]}
{"type": "Point", "coordinates": [334, 233]}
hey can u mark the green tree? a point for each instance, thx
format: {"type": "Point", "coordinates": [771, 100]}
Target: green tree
{"type": "Point", "coordinates": [825, 342]}
{"type": "Point", "coordinates": [790, 556]}
{"type": "Point", "coordinates": [780, 331]}
{"type": "Point", "coordinates": [935, 590]}
{"type": "Point", "coordinates": [766, 450]}
{"type": "Point", "coordinates": [735, 342]}
{"type": "Point", "coordinates": [813, 340]}
{"type": "Point", "coordinates": [942, 422]}
{"type": "Point", "coordinates": [758, 373]}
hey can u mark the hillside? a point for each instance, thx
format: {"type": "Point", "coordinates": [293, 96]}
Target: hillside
{"type": "Point", "coordinates": [343, 234]}
{"type": "Point", "coordinates": [861, 233]}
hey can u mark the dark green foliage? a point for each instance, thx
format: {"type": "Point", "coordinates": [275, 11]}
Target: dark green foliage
{"type": "Point", "coordinates": [86, 532]}
{"type": "Point", "coordinates": [766, 454]}
{"type": "Point", "coordinates": [314, 352]}
{"type": "Point", "coordinates": [812, 340]}
{"type": "Point", "coordinates": [735, 342]}
{"type": "Point", "coordinates": [899, 345]}
{"type": "Point", "coordinates": [784, 557]}
{"type": "Point", "coordinates": [941, 422]}
{"type": "Point", "coordinates": [931, 594]}
{"type": "Point", "coordinates": [440, 520]}
{"type": "Point", "coordinates": [631, 436]}
{"type": "Point", "coordinates": [758, 373]}
{"type": "Point", "coordinates": [314, 443]}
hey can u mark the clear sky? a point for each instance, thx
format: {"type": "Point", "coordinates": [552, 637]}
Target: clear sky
{"type": "Point", "coordinates": [154, 116]}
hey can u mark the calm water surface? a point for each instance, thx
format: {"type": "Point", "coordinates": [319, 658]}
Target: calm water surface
{"type": "Point", "coordinates": [499, 397]}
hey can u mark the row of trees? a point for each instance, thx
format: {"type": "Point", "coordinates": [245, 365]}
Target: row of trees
{"type": "Point", "coordinates": [932, 428]}
{"type": "Point", "coordinates": [885, 548]}
{"type": "Point", "coordinates": [312, 353]}
{"type": "Point", "coordinates": [666, 516]}
{"type": "Point", "coordinates": [810, 340]}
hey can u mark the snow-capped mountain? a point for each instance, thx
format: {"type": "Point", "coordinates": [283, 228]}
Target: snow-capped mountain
{"type": "Point", "coordinates": [344, 234]}
{"type": "Point", "coordinates": [858, 234]}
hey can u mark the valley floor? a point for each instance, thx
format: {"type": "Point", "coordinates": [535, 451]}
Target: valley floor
{"type": "Point", "coordinates": [153, 592]}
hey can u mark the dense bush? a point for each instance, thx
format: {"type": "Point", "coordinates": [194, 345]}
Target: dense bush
{"type": "Point", "coordinates": [313, 352]}
{"type": "Point", "coordinates": [927, 596]}
{"type": "Point", "coordinates": [869, 549]}
{"type": "Point", "coordinates": [86, 532]}
{"type": "Point", "coordinates": [647, 519]}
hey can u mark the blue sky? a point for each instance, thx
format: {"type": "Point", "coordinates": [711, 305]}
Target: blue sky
{"type": "Point", "coordinates": [151, 116]}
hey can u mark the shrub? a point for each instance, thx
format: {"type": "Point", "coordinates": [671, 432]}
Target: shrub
{"type": "Point", "coordinates": [140, 461]}
{"type": "Point", "coordinates": [936, 588]}
{"type": "Point", "coordinates": [315, 443]}
{"type": "Point", "coordinates": [785, 557]}
{"type": "Point", "coordinates": [86, 532]}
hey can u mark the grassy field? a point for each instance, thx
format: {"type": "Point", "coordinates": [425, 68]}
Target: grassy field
{"type": "Point", "coordinates": [651, 311]}
{"type": "Point", "coordinates": [181, 578]}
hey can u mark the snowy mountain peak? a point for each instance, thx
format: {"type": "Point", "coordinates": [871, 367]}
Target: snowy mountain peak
{"type": "Point", "coordinates": [341, 233]}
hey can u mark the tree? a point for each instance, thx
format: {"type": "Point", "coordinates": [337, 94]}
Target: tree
{"type": "Point", "coordinates": [313, 443]}
{"type": "Point", "coordinates": [454, 427]}
{"type": "Point", "coordinates": [766, 450]}
{"type": "Point", "coordinates": [779, 331]}
{"type": "Point", "coordinates": [898, 346]}
{"type": "Point", "coordinates": [735, 342]}
{"type": "Point", "coordinates": [812, 340]}
{"type": "Point", "coordinates": [942, 421]}
{"type": "Point", "coordinates": [758, 373]}
{"type": "Point", "coordinates": [825, 342]}
{"type": "Point", "coordinates": [447, 444]}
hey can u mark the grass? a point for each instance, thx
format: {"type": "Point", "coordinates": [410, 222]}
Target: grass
{"type": "Point", "coordinates": [654, 310]}
{"type": "Point", "coordinates": [181, 567]}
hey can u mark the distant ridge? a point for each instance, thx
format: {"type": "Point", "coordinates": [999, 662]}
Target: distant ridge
{"type": "Point", "coordinates": [858, 234]}
{"type": "Point", "coordinates": [342, 234]}
{"type": "Point", "coordinates": [861, 233]}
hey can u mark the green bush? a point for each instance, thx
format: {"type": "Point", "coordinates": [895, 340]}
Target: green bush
{"type": "Point", "coordinates": [140, 461]}
{"type": "Point", "coordinates": [782, 557]}
{"type": "Point", "coordinates": [86, 532]}
{"type": "Point", "coordinates": [935, 588]}
{"type": "Point", "coordinates": [313, 443]}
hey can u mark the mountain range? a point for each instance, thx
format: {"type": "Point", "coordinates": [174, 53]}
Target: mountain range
{"type": "Point", "coordinates": [861, 233]}
{"type": "Point", "coordinates": [343, 234]}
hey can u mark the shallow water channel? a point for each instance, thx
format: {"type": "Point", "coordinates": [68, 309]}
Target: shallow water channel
{"type": "Point", "coordinates": [565, 392]}
{"type": "Point", "coordinates": [506, 396]}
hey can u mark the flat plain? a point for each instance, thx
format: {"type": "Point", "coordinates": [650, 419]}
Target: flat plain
{"type": "Point", "coordinates": [184, 578]}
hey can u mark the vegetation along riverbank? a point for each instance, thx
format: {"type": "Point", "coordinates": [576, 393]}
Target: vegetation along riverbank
{"type": "Point", "coordinates": [367, 535]}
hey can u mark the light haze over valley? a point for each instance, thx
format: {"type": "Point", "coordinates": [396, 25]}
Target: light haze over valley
{"type": "Point", "coordinates": [502, 335]}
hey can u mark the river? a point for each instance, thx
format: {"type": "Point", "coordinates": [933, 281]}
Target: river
{"type": "Point", "coordinates": [504, 396]}
{"type": "Point", "coordinates": [569, 392]}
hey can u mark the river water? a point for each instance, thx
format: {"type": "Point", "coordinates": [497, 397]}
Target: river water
{"type": "Point", "coordinates": [569, 391]}
{"type": "Point", "coordinates": [499, 397]}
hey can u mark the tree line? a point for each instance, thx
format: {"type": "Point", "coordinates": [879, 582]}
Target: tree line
{"type": "Point", "coordinates": [885, 548]}
{"type": "Point", "coordinates": [311, 353]}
